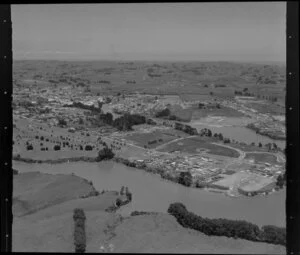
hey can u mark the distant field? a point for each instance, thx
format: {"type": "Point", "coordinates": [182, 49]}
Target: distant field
{"type": "Point", "coordinates": [196, 78]}
{"type": "Point", "coordinates": [223, 111]}
{"type": "Point", "coordinates": [165, 136]}
{"type": "Point", "coordinates": [191, 145]}
{"type": "Point", "coordinates": [262, 157]}
{"type": "Point", "coordinates": [142, 139]}
{"type": "Point", "coordinates": [275, 109]}
{"type": "Point", "coordinates": [196, 97]}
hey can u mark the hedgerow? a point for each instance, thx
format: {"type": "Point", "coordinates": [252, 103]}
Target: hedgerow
{"type": "Point", "coordinates": [79, 230]}
{"type": "Point", "coordinates": [230, 228]}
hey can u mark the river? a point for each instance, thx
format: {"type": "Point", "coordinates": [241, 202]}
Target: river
{"type": "Point", "coordinates": [151, 193]}
{"type": "Point", "coordinates": [234, 128]}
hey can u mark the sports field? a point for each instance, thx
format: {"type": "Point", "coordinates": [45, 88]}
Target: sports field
{"type": "Point", "coordinates": [192, 145]}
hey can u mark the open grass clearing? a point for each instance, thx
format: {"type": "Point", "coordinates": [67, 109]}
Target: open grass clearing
{"type": "Point", "coordinates": [191, 145]}
{"type": "Point", "coordinates": [262, 157]}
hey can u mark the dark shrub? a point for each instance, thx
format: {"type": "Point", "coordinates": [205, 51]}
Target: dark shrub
{"type": "Point", "coordinates": [104, 154]}
{"type": "Point", "coordinates": [129, 196]}
{"type": "Point", "coordinates": [163, 113]}
{"type": "Point", "coordinates": [172, 117]}
{"type": "Point", "coordinates": [118, 202]}
{"type": "Point", "coordinates": [29, 147]}
{"type": "Point", "coordinates": [79, 230]}
{"type": "Point", "coordinates": [62, 122]}
{"type": "Point", "coordinates": [185, 178]}
{"type": "Point", "coordinates": [88, 148]}
{"type": "Point", "coordinates": [273, 234]}
{"type": "Point", "coordinates": [122, 192]}
{"type": "Point", "coordinates": [56, 147]}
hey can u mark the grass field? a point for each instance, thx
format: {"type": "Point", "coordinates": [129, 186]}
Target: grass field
{"type": "Point", "coordinates": [43, 207]}
{"type": "Point", "coordinates": [48, 137]}
{"type": "Point", "coordinates": [142, 139]}
{"type": "Point", "coordinates": [248, 148]}
{"type": "Point", "coordinates": [35, 191]}
{"type": "Point", "coordinates": [182, 114]}
{"type": "Point", "coordinates": [223, 111]}
{"type": "Point", "coordinates": [159, 233]}
{"type": "Point", "coordinates": [262, 157]}
{"type": "Point", "coordinates": [190, 145]}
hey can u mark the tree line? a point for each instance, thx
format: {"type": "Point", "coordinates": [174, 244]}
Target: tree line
{"type": "Point", "coordinates": [229, 228]}
{"type": "Point", "coordinates": [123, 123]}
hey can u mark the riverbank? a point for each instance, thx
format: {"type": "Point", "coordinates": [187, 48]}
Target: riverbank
{"type": "Point", "coordinates": [272, 135]}
{"type": "Point", "coordinates": [147, 188]}
{"type": "Point", "coordinates": [134, 164]}
{"type": "Point", "coordinates": [56, 161]}
{"type": "Point", "coordinates": [126, 162]}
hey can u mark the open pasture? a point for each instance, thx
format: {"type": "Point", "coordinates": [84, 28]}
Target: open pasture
{"type": "Point", "coordinates": [43, 139]}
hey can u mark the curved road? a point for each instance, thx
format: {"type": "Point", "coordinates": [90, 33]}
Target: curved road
{"type": "Point", "coordinates": [242, 153]}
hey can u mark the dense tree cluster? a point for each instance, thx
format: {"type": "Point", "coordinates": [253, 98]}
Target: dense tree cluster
{"type": "Point", "coordinates": [185, 178]}
{"type": "Point", "coordinates": [56, 147]}
{"type": "Point", "coordinates": [62, 122]}
{"type": "Point", "coordinates": [88, 147]}
{"type": "Point", "coordinates": [29, 147]}
{"type": "Point", "coordinates": [230, 228]}
{"type": "Point", "coordinates": [106, 118]}
{"type": "Point", "coordinates": [281, 180]}
{"type": "Point", "coordinates": [126, 121]}
{"type": "Point", "coordinates": [105, 153]}
{"type": "Point", "coordinates": [163, 113]}
{"type": "Point", "coordinates": [226, 140]}
{"type": "Point", "coordinates": [79, 230]}
{"type": "Point", "coordinates": [123, 123]}
{"type": "Point", "coordinates": [219, 136]}
{"type": "Point", "coordinates": [186, 128]}
{"type": "Point", "coordinates": [205, 132]}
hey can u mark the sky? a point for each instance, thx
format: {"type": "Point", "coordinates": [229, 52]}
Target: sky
{"type": "Point", "coordinates": [232, 31]}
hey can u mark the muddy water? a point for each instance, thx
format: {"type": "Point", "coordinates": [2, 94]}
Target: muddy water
{"type": "Point", "coordinates": [151, 193]}
{"type": "Point", "coordinates": [234, 128]}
